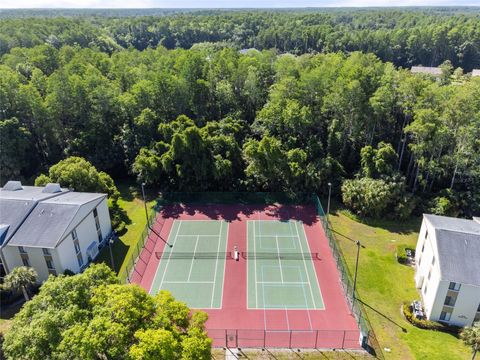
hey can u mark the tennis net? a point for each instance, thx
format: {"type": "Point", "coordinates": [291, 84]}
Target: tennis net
{"type": "Point", "coordinates": [230, 255]}
{"type": "Point", "coordinates": [281, 256]}
{"type": "Point", "coordinates": [193, 255]}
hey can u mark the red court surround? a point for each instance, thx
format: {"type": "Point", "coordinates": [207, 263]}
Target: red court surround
{"type": "Point", "coordinates": [236, 326]}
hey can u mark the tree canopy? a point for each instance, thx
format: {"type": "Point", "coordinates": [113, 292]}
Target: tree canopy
{"type": "Point", "coordinates": [171, 101]}
{"type": "Point", "coordinates": [91, 316]}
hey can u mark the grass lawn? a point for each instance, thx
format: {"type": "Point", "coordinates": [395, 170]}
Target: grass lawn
{"type": "Point", "coordinates": [383, 285]}
{"type": "Point", "coordinates": [132, 204]}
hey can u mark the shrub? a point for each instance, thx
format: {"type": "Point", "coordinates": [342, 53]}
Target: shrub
{"type": "Point", "coordinates": [402, 253]}
{"type": "Point", "coordinates": [369, 197]}
{"type": "Point", "coordinates": [427, 324]}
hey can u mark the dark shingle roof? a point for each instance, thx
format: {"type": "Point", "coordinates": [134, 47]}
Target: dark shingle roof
{"type": "Point", "coordinates": [458, 247]}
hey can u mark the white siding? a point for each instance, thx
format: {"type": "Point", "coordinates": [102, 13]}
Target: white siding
{"type": "Point", "coordinates": [433, 299]}
{"type": "Point", "coordinates": [104, 218]}
{"type": "Point", "coordinates": [36, 259]}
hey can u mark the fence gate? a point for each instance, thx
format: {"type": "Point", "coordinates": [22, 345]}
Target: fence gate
{"type": "Point", "coordinates": [231, 338]}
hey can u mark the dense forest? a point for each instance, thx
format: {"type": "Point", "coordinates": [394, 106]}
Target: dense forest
{"type": "Point", "coordinates": [322, 97]}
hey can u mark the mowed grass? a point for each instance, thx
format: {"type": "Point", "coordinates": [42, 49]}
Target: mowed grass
{"type": "Point", "coordinates": [131, 203]}
{"type": "Point", "coordinates": [383, 285]}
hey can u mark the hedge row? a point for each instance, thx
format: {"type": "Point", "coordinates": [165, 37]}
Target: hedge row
{"type": "Point", "coordinates": [427, 324]}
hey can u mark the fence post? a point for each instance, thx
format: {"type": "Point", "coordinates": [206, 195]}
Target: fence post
{"type": "Point", "coordinates": [290, 340]}
{"type": "Point", "coordinates": [226, 338]}
{"type": "Point", "coordinates": [343, 340]}
{"type": "Point", "coordinates": [236, 338]}
{"type": "Point", "coordinates": [264, 338]}
{"type": "Point", "coordinates": [316, 340]}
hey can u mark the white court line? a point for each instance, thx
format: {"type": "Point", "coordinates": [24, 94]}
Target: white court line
{"type": "Point", "coordinates": [193, 259]}
{"type": "Point", "coordinates": [279, 260]}
{"type": "Point", "coordinates": [169, 255]}
{"type": "Point", "coordinates": [314, 271]}
{"type": "Point", "coordinates": [283, 283]}
{"type": "Point", "coordinates": [306, 305]}
{"type": "Point", "coordinates": [255, 267]}
{"type": "Point", "coordinates": [288, 322]}
{"type": "Point", "coordinates": [305, 264]}
{"type": "Point", "coordinates": [189, 235]}
{"type": "Point", "coordinates": [216, 264]}
{"type": "Point", "coordinates": [225, 266]}
{"type": "Point", "coordinates": [188, 282]}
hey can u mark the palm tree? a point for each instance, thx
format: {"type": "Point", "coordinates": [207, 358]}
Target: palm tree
{"type": "Point", "coordinates": [471, 336]}
{"type": "Point", "coordinates": [20, 278]}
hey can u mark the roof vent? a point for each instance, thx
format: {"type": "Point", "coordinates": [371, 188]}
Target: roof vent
{"type": "Point", "coordinates": [52, 188]}
{"type": "Point", "coordinates": [13, 186]}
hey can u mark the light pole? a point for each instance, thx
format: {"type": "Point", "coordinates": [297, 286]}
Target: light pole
{"type": "Point", "coordinates": [145, 203]}
{"type": "Point", "coordinates": [329, 194]}
{"type": "Point", "coordinates": [110, 243]}
{"type": "Point", "coordinates": [356, 269]}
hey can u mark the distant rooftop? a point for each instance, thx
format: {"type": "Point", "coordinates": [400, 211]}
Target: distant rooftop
{"type": "Point", "coordinates": [435, 71]}
{"type": "Point", "coordinates": [458, 246]}
{"type": "Point", "coordinates": [476, 72]}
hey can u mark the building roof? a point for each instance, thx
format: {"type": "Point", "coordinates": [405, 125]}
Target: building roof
{"type": "Point", "coordinates": [436, 71]}
{"type": "Point", "coordinates": [16, 203]}
{"type": "Point", "coordinates": [42, 216]}
{"type": "Point", "coordinates": [476, 72]}
{"type": "Point", "coordinates": [458, 248]}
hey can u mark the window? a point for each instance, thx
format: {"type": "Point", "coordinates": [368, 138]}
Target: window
{"type": "Point", "coordinates": [49, 264]}
{"type": "Point", "coordinates": [429, 274]}
{"type": "Point", "coordinates": [478, 309]}
{"type": "Point", "coordinates": [454, 286]}
{"type": "Point", "coordinates": [97, 225]}
{"type": "Point", "coordinates": [95, 212]}
{"type": "Point", "coordinates": [80, 259]}
{"type": "Point", "coordinates": [25, 261]}
{"type": "Point", "coordinates": [450, 301]}
{"type": "Point", "coordinates": [74, 234]}
{"type": "Point", "coordinates": [433, 260]}
{"type": "Point", "coordinates": [426, 235]}
{"type": "Point", "coordinates": [77, 247]}
{"type": "Point", "coordinates": [445, 316]}
{"type": "Point", "coordinates": [423, 247]}
{"type": "Point", "coordinates": [425, 289]}
{"type": "Point", "coordinates": [46, 251]}
{"type": "Point", "coordinates": [22, 250]}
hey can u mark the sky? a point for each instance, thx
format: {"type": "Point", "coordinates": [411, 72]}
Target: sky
{"type": "Point", "coordinates": [224, 3]}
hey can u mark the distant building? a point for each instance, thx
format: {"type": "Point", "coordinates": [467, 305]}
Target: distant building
{"type": "Point", "coordinates": [51, 229]}
{"type": "Point", "coordinates": [433, 71]}
{"type": "Point", "coordinates": [475, 72]}
{"type": "Point", "coordinates": [448, 269]}
{"type": "Point", "coordinates": [246, 51]}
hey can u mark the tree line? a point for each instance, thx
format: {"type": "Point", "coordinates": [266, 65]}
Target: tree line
{"type": "Point", "coordinates": [404, 37]}
{"type": "Point", "coordinates": [212, 118]}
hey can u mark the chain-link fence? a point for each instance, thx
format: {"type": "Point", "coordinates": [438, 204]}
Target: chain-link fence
{"type": "Point", "coordinates": [127, 272]}
{"type": "Point", "coordinates": [369, 340]}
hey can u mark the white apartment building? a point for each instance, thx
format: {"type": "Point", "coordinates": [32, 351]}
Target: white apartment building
{"type": "Point", "coordinates": [447, 273]}
{"type": "Point", "coordinates": [51, 229]}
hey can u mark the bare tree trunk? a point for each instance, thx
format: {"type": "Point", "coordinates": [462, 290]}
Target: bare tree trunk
{"type": "Point", "coordinates": [474, 354]}
{"type": "Point", "coordinates": [404, 142]}
{"type": "Point", "coordinates": [416, 178]}
{"type": "Point", "coordinates": [454, 174]}
{"type": "Point", "coordinates": [25, 293]}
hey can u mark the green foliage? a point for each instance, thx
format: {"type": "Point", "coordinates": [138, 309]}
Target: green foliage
{"type": "Point", "coordinates": [126, 95]}
{"type": "Point", "coordinates": [15, 144]}
{"type": "Point", "coordinates": [374, 197]}
{"type": "Point", "coordinates": [20, 278]}
{"type": "Point", "coordinates": [91, 316]}
{"type": "Point", "coordinates": [425, 324]}
{"type": "Point", "coordinates": [471, 337]}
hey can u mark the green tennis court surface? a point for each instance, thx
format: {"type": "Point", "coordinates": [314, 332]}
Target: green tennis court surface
{"type": "Point", "coordinates": [197, 281]}
{"type": "Point", "coordinates": [284, 282]}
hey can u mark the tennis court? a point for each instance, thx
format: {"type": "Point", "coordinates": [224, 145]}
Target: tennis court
{"type": "Point", "coordinates": [193, 268]}
{"type": "Point", "coordinates": [281, 273]}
